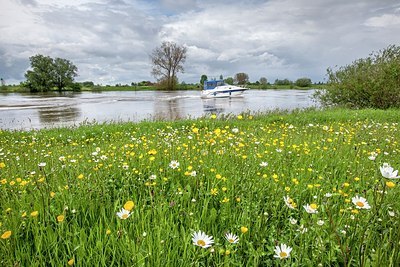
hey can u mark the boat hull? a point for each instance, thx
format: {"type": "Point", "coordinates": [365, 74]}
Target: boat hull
{"type": "Point", "coordinates": [221, 92]}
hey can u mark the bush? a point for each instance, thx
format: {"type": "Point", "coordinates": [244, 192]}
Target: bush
{"type": "Point", "coordinates": [373, 82]}
{"type": "Point", "coordinates": [303, 82]}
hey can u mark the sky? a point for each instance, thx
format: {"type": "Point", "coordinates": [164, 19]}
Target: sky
{"type": "Point", "coordinates": [110, 41]}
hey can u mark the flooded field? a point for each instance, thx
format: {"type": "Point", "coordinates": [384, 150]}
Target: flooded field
{"type": "Point", "coordinates": [35, 111]}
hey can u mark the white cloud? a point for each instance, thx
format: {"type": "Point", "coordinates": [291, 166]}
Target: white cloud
{"type": "Point", "coordinates": [110, 40]}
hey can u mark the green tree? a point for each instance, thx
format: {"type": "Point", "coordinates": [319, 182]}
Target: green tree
{"type": "Point", "coordinates": [40, 77]}
{"type": "Point", "coordinates": [263, 81]}
{"type": "Point", "coordinates": [241, 78]}
{"type": "Point", "coordinates": [229, 80]}
{"type": "Point", "coordinates": [373, 82]}
{"type": "Point", "coordinates": [167, 61]}
{"type": "Point", "coordinates": [203, 78]}
{"type": "Point", "coordinates": [64, 73]}
{"type": "Point", "coordinates": [303, 82]}
{"type": "Point", "coordinates": [46, 73]}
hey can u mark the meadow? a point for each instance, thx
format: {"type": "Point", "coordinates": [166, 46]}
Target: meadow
{"type": "Point", "coordinates": [305, 188]}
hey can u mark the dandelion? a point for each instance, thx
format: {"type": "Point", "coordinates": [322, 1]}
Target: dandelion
{"type": "Point", "coordinates": [71, 262]}
{"type": "Point", "coordinates": [174, 164]}
{"type": "Point", "coordinates": [232, 238]}
{"type": "Point", "coordinates": [390, 184]}
{"type": "Point", "coordinates": [282, 251]}
{"type": "Point", "coordinates": [60, 218]}
{"type": "Point", "coordinates": [34, 213]}
{"type": "Point", "coordinates": [129, 205]}
{"type": "Point", "coordinates": [360, 202]}
{"type": "Point", "coordinates": [244, 229]}
{"type": "Point", "coordinates": [388, 172]}
{"type": "Point", "coordinates": [6, 235]}
{"type": "Point", "coordinates": [289, 202]}
{"type": "Point", "coordinates": [311, 208]}
{"type": "Point", "coordinates": [123, 214]}
{"type": "Point", "coordinates": [202, 240]}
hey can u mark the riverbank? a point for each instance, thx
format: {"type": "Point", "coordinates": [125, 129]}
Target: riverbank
{"type": "Point", "coordinates": [281, 178]}
{"type": "Point", "coordinates": [107, 88]}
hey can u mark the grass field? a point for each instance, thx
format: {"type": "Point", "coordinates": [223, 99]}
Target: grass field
{"type": "Point", "coordinates": [279, 189]}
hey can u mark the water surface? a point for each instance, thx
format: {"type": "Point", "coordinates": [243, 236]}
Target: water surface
{"type": "Point", "coordinates": [35, 111]}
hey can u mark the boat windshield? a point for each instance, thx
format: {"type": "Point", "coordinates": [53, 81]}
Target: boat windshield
{"type": "Point", "coordinates": [209, 85]}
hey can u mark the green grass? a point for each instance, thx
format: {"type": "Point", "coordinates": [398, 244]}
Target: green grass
{"type": "Point", "coordinates": [220, 186]}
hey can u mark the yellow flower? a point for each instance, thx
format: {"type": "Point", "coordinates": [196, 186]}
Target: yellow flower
{"type": "Point", "coordinates": [213, 116]}
{"type": "Point", "coordinates": [52, 194]}
{"type": "Point", "coordinates": [34, 213]}
{"type": "Point", "coordinates": [71, 262]}
{"type": "Point", "coordinates": [60, 218]}
{"type": "Point", "coordinates": [390, 184]}
{"type": "Point", "coordinates": [2, 165]}
{"type": "Point", "coordinates": [240, 117]}
{"type": "Point", "coordinates": [108, 232]}
{"type": "Point", "coordinates": [214, 191]}
{"type": "Point", "coordinates": [80, 176]}
{"type": "Point", "coordinates": [6, 235]}
{"type": "Point", "coordinates": [195, 130]}
{"type": "Point", "coordinates": [244, 229]}
{"type": "Point", "coordinates": [129, 205]}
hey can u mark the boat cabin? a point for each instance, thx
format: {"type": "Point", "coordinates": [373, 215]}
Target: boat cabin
{"type": "Point", "coordinates": [209, 85]}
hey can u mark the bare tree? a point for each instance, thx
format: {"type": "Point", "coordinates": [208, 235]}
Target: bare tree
{"type": "Point", "coordinates": [168, 60]}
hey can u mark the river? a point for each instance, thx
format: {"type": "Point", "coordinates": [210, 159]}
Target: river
{"type": "Point", "coordinates": [35, 111]}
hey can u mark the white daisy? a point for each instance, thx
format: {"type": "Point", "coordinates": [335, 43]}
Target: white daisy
{"type": "Point", "coordinates": [311, 208]}
{"type": "Point", "coordinates": [233, 239]}
{"type": "Point", "coordinates": [282, 251]}
{"type": "Point", "coordinates": [360, 202]}
{"type": "Point", "coordinates": [174, 164]}
{"type": "Point", "coordinates": [264, 164]}
{"type": "Point", "coordinates": [289, 202]}
{"type": "Point", "coordinates": [202, 240]}
{"type": "Point", "coordinates": [123, 214]}
{"type": "Point", "coordinates": [388, 172]}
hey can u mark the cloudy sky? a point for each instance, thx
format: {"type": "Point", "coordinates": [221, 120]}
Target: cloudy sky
{"type": "Point", "coordinates": [110, 40]}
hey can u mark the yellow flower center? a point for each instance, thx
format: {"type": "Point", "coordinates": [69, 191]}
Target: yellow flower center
{"type": "Point", "coordinates": [201, 243]}
{"type": "Point", "coordinates": [360, 204]}
{"type": "Point", "coordinates": [230, 240]}
{"type": "Point", "coordinates": [124, 216]}
{"type": "Point", "coordinates": [314, 206]}
{"type": "Point", "coordinates": [283, 254]}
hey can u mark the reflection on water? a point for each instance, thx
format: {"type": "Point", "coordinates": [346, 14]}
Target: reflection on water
{"type": "Point", "coordinates": [58, 114]}
{"type": "Point", "coordinates": [27, 111]}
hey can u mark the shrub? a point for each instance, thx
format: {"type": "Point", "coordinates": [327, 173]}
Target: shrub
{"type": "Point", "coordinates": [303, 82]}
{"type": "Point", "coordinates": [373, 82]}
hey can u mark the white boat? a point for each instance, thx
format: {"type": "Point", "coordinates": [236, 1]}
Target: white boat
{"type": "Point", "coordinates": [218, 88]}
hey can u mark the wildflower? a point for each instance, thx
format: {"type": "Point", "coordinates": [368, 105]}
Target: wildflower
{"type": "Point", "coordinates": [193, 173]}
{"type": "Point", "coordinates": [360, 202]}
{"type": "Point", "coordinates": [282, 251]}
{"type": "Point", "coordinates": [34, 213]}
{"type": "Point", "coordinates": [80, 176]}
{"type": "Point", "coordinates": [71, 262]}
{"type": "Point", "coordinates": [289, 202]}
{"type": "Point", "coordinates": [373, 156]}
{"type": "Point", "coordinates": [320, 222]}
{"type": "Point", "coordinates": [292, 220]}
{"type": "Point", "coordinates": [214, 191]}
{"type": "Point", "coordinates": [388, 172]}
{"type": "Point", "coordinates": [129, 205]}
{"type": "Point", "coordinates": [263, 164]}
{"type": "Point", "coordinates": [123, 214]}
{"type": "Point", "coordinates": [312, 208]}
{"type": "Point", "coordinates": [108, 232]}
{"type": "Point", "coordinates": [174, 164]}
{"type": "Point", "coordinates": [42, 164]}
{"type": "Point", "coordinates": [390, 184]}
{"type": "Point", "coordinates": [6, 235]}
{"type": "Point", "coordinates": [60, 218]}
{"type": "Point", "coordinates": [244, 229]}
{"type": "Point", "coordinates": [202, 240]}
{"type": "Point", "coordinates": [231, 238]}
{"type": "Point", "coordinates": [302, 229]}
{"type": "Point", "coordinates": [2, 165]}
{"type": "Point", "coordinates": [391, 213]}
